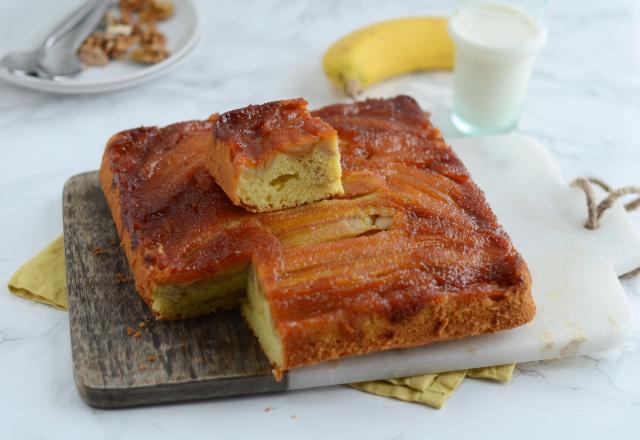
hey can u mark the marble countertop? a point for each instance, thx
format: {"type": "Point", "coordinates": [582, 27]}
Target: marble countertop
{"type": "Point", "coordinates": [584, 105]}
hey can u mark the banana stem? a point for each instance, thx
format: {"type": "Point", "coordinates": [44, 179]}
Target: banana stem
{"type": "Point", "coordinates": [352, 88]}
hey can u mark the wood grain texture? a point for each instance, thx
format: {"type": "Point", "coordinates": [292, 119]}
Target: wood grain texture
{"type": "Point", "coordinates": [167, 361]}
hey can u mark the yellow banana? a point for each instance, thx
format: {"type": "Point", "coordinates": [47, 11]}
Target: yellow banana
{"type": "Point", "coordinates": [388, 49]}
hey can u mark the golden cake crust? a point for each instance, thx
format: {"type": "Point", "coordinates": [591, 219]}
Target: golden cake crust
{"type": "Point", "coordinates": [411, 254]}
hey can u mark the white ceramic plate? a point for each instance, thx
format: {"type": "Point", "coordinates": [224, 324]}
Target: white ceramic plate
{"type": "Point", "coordinates": [182, 31]}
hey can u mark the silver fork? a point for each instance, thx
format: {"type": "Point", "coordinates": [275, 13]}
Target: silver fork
{"type": "Point", "coordinates": [65, 63]}
{"type": "Point", "coordinates": [27, 62]}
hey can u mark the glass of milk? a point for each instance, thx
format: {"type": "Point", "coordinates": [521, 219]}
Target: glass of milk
{"type": "Point", "coordinates": [496, 43]}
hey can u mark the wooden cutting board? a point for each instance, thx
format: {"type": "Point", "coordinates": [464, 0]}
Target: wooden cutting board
{"type": "Point", "coordinates": [122, 357]}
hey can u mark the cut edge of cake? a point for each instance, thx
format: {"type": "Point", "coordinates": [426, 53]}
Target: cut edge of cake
{"type": "Point", "coordinates": [180, 301]}
{"type": "Point", "coordinates": [257, 313]}
{"type": "Point", "coordinates": [287, 180]}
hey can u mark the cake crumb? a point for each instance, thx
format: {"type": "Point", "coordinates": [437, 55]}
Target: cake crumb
{"type": "Point", "coordinates": [152, 358]}
{"type": "Point", "coordinates": [137, 334]}
{"type": "Point", "coordinates": [98, 251]}
{"type": "Point", "coordinates": [268, 409]}
{"type": "Point", "coordinates": [122, 278]}
{"type": "Point", "coordinates": [129, 331]}
{"type": "Point", "coordinates": [142, 324]}
{"type": "Point", "coordinates": [142, 367]}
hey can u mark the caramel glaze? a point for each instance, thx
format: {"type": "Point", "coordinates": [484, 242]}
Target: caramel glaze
{"type": "Point", "coordinates": [442, 240]}
{"type": "Point", "coordinates": [178, 221]}
{"type": "Point", "coordinates": [254, 133]}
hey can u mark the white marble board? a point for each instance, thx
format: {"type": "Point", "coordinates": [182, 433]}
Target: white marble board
{"type": "Point", "coordinates": [581, 305]}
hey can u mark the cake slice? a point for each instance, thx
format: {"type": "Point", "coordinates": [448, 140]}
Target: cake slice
{"type": "Point", "coordinates": [274, 155]}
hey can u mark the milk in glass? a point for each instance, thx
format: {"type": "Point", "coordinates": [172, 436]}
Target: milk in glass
{"type": "Point", "coordinates": [496, 45]}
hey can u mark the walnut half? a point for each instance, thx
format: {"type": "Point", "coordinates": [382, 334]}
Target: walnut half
{"type": "Point", "coordinates": [132, 23]}
{"type": "Point", "coordinates": [149, 54]}
{"type": "Point", "coordinates": [93, 55]}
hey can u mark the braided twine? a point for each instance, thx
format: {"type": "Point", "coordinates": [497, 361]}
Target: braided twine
{"type": "Point", "coordinates": [595, 209]}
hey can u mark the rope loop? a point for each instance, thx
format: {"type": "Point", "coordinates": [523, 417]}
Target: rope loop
{"type": "Point", "coordinates": [594, 209]}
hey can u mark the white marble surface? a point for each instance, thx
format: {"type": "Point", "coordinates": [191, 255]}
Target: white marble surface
{"type": "Point", "coordinates": [584, 105]}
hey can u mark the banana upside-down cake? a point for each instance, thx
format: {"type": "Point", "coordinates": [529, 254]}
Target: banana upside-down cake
{"type": "Point", "coordinates": [410, 254]}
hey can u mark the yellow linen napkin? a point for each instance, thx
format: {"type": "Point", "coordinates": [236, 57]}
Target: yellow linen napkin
{"type": "Point", "coordinates": [428, 389]}
{"type": "Point", "coordinates": [432, 389]}
{"type": "Point", "coordinates": [43, 279]}
{"type": "Point", "coordinates": [500, 373]}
